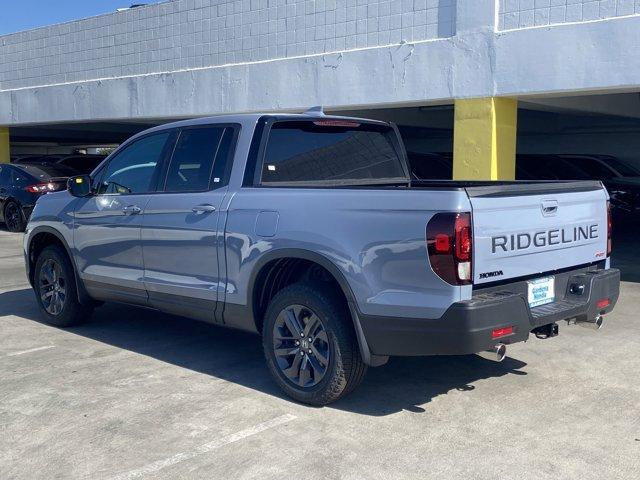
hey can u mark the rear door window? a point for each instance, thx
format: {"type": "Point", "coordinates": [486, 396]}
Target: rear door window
{"type": "Point", "coordinates": [332, 152]}
{"type": "Point", "coordinates": [20, 178]}
{"type": "Point", "coordinates": [200, 159]}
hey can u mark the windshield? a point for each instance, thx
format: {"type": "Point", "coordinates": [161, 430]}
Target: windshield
{"type": "Point", "coordinates": [332, 152]}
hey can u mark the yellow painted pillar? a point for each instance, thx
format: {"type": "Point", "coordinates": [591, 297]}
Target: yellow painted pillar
{"type": "Point", "coordinates": [4, 145]}
{"type": "Point", "coordinates": [484, 139]}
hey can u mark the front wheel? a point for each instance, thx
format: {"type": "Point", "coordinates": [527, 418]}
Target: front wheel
{"type": "Point", "coordinates": [55, 287]}
{"type": "Point", "coordinates": [310, 345]}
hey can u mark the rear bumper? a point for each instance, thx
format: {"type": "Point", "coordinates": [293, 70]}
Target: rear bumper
{"type": "Point", "coordinates": [467, 326]}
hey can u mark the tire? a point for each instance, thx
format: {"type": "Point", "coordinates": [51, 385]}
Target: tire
{"type": "Point", "coordinates": [58, 302]}
{"type": "Point", "coordinates": [331, 366]}
{"type": "Point", "coordinates": [14, 218]}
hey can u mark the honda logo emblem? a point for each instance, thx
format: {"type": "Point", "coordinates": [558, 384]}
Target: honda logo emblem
{"type": "Point", "coordinates": [549, 207]}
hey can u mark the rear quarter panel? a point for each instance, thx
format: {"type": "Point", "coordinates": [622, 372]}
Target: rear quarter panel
{"type": "Point", "coordinates": [376, 238]}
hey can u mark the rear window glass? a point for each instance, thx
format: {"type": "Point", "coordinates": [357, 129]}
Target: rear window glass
{"type": "Point", "coordinates": [46, 171]}
{"type": "Point", "coordinates": [622, 168]}
{"type": "Point", "coordinates": [83, 164]}
{"type": "Point", "coordinates": [329, 152]}
{"type": "Point", "coordinates": [430, 166]}
{"type": "Point", "coordinates": [540, 167]}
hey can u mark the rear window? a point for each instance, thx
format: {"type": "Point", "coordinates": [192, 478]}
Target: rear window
{"type": "Point", "coordinates": [430, 166]}
{"type": "Point", "coordinates": [46, 171]}
{"type": "Point", "coordinates": [622, 168]}
{"type": "Point", "coordinates": [593, 168]}
{"type": "Point", "coordinates": [83, 164]}
{"type": "Point", "coordinates": [331, 152]}
{"type": "Point", "coordinates": [540, 167]}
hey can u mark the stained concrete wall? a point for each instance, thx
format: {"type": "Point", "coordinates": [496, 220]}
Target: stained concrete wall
{"type": "Point", "coordinates": [188, 34]}
{"type": "Point", "coordinates": [418, 66]}
{"type": "Point", "coordinates": [534, 13]}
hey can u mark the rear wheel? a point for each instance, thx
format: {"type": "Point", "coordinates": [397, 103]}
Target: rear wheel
{"type": "Point", "coordinates": [14, 218]}
{"type": "Point", "coordinates": [310, 346]}
{"type": "Point", "coordinates": [55, 288]}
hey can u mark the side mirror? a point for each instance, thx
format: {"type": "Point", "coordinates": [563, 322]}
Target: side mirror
{"type": "Point", "coordinates": [79, 186]}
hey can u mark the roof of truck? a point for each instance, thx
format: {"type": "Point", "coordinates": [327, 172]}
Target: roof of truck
{"type": "Point", "coordinates": [252, 118]}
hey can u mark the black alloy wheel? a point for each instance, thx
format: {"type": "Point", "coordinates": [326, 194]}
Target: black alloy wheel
{"type": "Point", "coordinates": [56, 291]}
{"type": "Point", "coordinates": [13, 217]}
{"type": "Point", "coordinates": [52, 287]}
{"type": "Point", "coordinates": [310, 343]}
{"type": "Point", "coordinates": [301, 346]}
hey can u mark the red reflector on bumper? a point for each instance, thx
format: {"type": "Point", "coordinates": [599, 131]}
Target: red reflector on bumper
{"type": "Point", "coordinates": [501, 332]}
{"type": "Point", "coordinates": [604, 303]}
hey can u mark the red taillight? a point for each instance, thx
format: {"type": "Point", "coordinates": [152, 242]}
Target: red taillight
{"type": "Point", "coordinates": [603, 303]}
{"type": "Point", "coordinates": [501, 332]}
{"type": "Point", "coordinates": [42, 188]}
{"type": "Point", "coordinates": [463, 237]}
{"type": "Point", "coordinates": [609, 228]}
{"type": "Point", "coordinates": [336, 123]}
{"type": "Point", "coordinates": [450, 246]}
{"type": "Point", "coordinates": [442, 243]}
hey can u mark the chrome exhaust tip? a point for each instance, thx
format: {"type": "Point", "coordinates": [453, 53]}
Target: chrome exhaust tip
{"type": "Point", "coordinates": [496, 354]}
{"type": "Point", "coordinates": [595, 324]}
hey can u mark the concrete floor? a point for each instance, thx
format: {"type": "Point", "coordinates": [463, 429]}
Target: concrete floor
{"type": "Point", "coordinates": [138, 394]}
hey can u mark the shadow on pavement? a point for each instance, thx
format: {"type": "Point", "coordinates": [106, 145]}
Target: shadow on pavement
{"type": "Point", "coordinates": [402, 384]}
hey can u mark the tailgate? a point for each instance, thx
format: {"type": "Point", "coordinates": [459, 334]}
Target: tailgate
{"type": "Point", "coordinates": [525, 229]}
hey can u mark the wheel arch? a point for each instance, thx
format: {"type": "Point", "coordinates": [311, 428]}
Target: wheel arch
{"type": "Point", "coordinates": [40, 238]}
{"type": "Point", "coordinates": [272, 269]}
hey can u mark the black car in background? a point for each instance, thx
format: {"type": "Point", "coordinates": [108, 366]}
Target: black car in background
{"type": "Point", "coordinates": [621, 180]}
{"type": "Point", "coordinates": [430, 166]}
{"type": "Point", "coordinates": [22, 184]}
{"type": "Point", "coordinates": [81, 163]}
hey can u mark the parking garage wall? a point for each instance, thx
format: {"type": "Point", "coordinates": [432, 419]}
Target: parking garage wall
{"type": "Point", "coordinates": [514, 14]}
{"type": "Point", "coordinates": [188, 34]}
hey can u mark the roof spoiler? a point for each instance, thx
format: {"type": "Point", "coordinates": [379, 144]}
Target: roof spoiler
{"type": "Point", "coordinates": [317, 111]}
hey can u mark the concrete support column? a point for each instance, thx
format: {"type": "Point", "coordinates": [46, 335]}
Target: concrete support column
{"type": "Point", "coordinates": [4, 145]}
{"type": "Point", "coordinates": [484, 139]}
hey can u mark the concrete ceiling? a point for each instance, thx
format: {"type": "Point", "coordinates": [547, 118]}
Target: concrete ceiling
{"type": "Point", "coordinates": [78, 133]}
{"type": "Point", "coordinates": [570, 114]}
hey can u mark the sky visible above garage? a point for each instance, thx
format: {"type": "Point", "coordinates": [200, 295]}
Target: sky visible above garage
{"type": "Point", "coordinates": [27, 14]}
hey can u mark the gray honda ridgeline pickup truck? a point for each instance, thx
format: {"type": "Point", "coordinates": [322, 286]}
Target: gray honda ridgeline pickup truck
{"type": "Point", "coordinates": [309, 230]}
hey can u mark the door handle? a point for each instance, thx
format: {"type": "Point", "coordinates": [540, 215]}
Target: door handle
{"type": "Point", "coordinates": [131, 210]}
{"type": "Point", "coordinates": [205, 208]}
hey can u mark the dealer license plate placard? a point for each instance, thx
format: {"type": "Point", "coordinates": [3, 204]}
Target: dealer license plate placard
{"type": "Point", "coordinates": [541, 291]}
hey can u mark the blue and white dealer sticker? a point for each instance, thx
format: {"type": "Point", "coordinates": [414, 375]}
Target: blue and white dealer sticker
{"type": "Point", "coordinates": [541, 291]}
